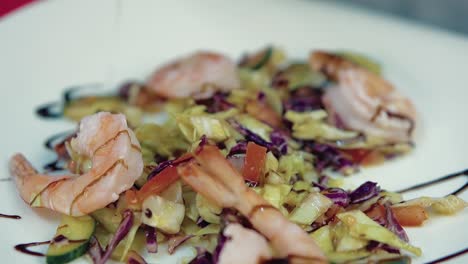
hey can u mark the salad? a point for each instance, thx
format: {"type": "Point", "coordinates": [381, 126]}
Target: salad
{"type": "Point", "coordinates": [240, 161]}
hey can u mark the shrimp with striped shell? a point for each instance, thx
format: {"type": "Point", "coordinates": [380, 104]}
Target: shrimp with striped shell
{"type": "Point", "coordinates": [364, 101]}
{"type": "Point", "coordinates": [211, 175]}
{"type": "Point", "coordinates": [198, 75]}
{"type": "Point", "coordinates": [115, 159]}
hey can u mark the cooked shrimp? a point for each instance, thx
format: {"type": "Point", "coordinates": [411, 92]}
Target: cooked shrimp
{"type": "Point", "coordinates": [197, 75]}
{"type": "Point", "coordinates": [116, 159]}
{"type": "Point", "coordinates": [364, 101]}
{"type": "Point", "coordinates": [243, 246]}
{"type": "Point", "coordinates": [211, 175]}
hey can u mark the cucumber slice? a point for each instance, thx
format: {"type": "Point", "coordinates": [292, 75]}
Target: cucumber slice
{"type": "Point", "coordinates": [258, 60]}
{"type": "Point", "coordinates": [298, 75]}
{"type": "Point", "coordinates": [76, 233]}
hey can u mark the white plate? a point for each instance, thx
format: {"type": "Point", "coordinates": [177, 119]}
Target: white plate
{"type": "Point", "coordinates": [55, 44]}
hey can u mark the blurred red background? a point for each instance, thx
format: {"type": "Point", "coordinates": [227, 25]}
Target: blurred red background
{"type": "Point", "coordinates": [7, 6]}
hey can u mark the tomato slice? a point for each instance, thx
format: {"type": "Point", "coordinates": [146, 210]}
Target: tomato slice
{"type": "Point", "coordinates": [364, 157]}
{"type": "Point", "coordinates": [413, 215]}
{"type": "Point", "coordinates": [131, 199]}
{"type": "Point", "coordinates": [254, 163]}
{"type": "Point", "coordinates": [159, 182]}
{"type": "Point", "coordinates": [357, 155]}
{"type": "Point", "coordinates": [162, 180]}
{"type": "Point", "coordinates": [263, 112]}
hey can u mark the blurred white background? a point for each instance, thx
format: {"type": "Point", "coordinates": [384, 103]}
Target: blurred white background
{"type": "Point", "coordinates": [448, 14]}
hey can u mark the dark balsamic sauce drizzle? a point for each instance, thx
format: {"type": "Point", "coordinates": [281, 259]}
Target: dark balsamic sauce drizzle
{"type": "Point", "coordinates": [439, 180]}
{"type": "Point", "coordinates": [70, 94]}
{"type": "Point", "coordinates": [54, 110]}
{"type": "Point", "coordinates": [460, 190]}
{"type": "Point", "coordinates": [10, 216]}
{"type": "Point", "coordinates": [57, 138]}
{"type": "Point", "coordinates": [23, 248]}
{"type": "Point", "coordinates": [448, 257]}
{"type": "Point", "coordinates": [54, 166]}
{"type": "Point", "coordinates": [51, 110]}
{"type": "Point", "coordinates": [51, 143]}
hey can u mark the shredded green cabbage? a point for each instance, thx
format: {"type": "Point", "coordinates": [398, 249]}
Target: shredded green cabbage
{"type": "Point", "coordinates": [207, 210]}
{"type": "Point", "coordinates": [300, 75]}
{"type": "Point", "coordinates": [294, 164]}
{"type": "Point", "coordinates": [134, 240]}
{"type": "Point", "coordinates": [323, 238]}
{"type": "Point", "coordinates": [275, 194]}
{"type": "Point", "coordinates": [344, 241]}
{"type": "Point", "coordinates": [313, 206]}
{"type": "Point", "coordinates": [362, 227]}
{"type": "Point", "coordinates": [194, 122]}
{"type": "Point", "coordinates": [165, 215]}
{"type": "Point", "coordinates": [255, 126]}
{"type": "Point", "coordinates": [446, 205]}
{"type": "Point", "coordinates": [162, 140]}
{"type": "Point", "coordinates": [312, 125]}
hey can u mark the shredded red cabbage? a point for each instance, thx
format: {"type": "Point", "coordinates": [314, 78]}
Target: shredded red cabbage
{"type": "Point", "coordinates": [216, 103]}
{"type": "Point", "coordinates": [388, 221]}
{"type": "Point", "coordinates": [161, 166]}
{"type": "Point", "coordinates": [338, 196]}
{"type": "Point", "coordinates": [261, 96]}
{"type": "Point", "coordinates": [122, 231]}
{"type": "Point", "coordinates": [135, 258]}
{"type": "Point", "coordinates": [304, 101]}
{"type": "Point", "coordinates": [228, 216]}
{"type": "Point", "coordinates": [124, 89]}
{"type": "Point", "coordinates": [364, 192]}
{"type": "Point", "coordinates": [203, 142]}
{"type": "Point", "coordinates": [222, 239]}
{"type": "Point", "coordinates": [381, 220]}
{"type": "Point", "coordinates": [375, 245]}
{"type": "Point", "coordinates": [164, 164]}
{"type": "Point", "coordinates": [95, 250]}
{"type": "Point", "coordinates": [203, 257]}
{"type": "Point", "coordinates": [280, 141]}
{"type": "Point", "coordinates": [322, 182]}
{"type": "Point", "coordinates": [393, 225]}
{"type": "Point", "coordinates": [278, 146]}
{"type": "Point", "coordinates": [202, 223]}
{"type": "Point", "coordinates": [251, 136]}
{"type": "Point", "coordinates": [151, 239]}
{"type": "Point", "coordinates": [327, 156]}
{"type": "Point", "coordinates": [239, 148]}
